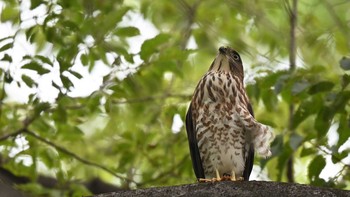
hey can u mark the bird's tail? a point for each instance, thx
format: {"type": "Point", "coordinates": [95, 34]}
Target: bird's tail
{"type": "Point", "coordinates": [262, 137]}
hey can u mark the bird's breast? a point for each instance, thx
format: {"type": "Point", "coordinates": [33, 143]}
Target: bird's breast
{"type": "Point", "coordinates": [221, 139]}
{"type": "Point", "coordinates": [220, 133]}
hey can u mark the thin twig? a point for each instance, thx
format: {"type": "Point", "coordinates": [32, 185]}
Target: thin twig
{"type": "Point", "coordinates": [190, 12]}
{"type": "Point", "coordinates": [2, 95]}
{"type": "Point", "coordinates": [5, 137]}
{"type": "Point", "coordinates": [343, 28]}
{"type": "Point", "coordinates": [165, 173]}
{"type": "Point", "coordinates": [330, 153]}
{"type": "Point", "coordinates": [78, 158]}
{"type": "Point", "coordinates": [337, 159]}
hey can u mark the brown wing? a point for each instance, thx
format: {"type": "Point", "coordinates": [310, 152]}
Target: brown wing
{"type": "Point", "coordinates": [250, 158]}
{"type": "Point", "coordinates": [193, 144]}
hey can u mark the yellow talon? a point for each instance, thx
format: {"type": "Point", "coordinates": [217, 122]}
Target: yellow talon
{"type": "Point", "coordinates": [218, 178]}
{"type": "Point", "coordinates": [225, 177]}
{"type": "Point", "coordinates": [233, 176]}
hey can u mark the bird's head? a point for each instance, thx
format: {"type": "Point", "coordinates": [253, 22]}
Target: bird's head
{"type": "Point", "coordinates": [228, 60]}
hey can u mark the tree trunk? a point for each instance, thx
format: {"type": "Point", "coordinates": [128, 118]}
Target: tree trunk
{"type": "Point", "coordinates": [227, 188]}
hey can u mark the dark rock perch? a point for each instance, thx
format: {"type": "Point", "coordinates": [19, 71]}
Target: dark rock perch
{"type": "Point", "coordinates": [240, 188]}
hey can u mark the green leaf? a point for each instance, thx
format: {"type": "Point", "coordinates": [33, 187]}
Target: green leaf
{"type": "Point", "coordinates": [315, 167]}
{"type": "Point", "coordinates": [152, 46]}
{"type": "Point", "coordinates": [76, 74]}
{"type": "Point", "coordinates": [9, 13]}
{"type": "Point", "coordinates": [295, 140]}
{"type": "Point", "coordinates": [35, 3]}
{"type": "Point", "coordinates": [305, 109]}
{"type": "Point", "coordinates": [40, 107]}
{"type": "Point", "coordinates": [345, 63]}
{"type": "Point", "coordinates": [323, 86]}
{"type": "Point", "coordinates": [28, 81]}
{"type": "Point", "coordinates": [341, 100]}
{"type": "Point", "coordinates": [64, 65]}
{"type": "Point", "coordinates": [84, 59]}
{"type": "Point", "coordinates": [44, 59]}
{"type": "Point", "coordinates": [127, 31]}
{"type": "Point", "coordinates": [56, 86]}
{"type": "Point", "coordinates": [298, 87]}
{"type": "Point", "coordinates": [6, 46]}
{"type": "Point", "coordinates": [66, 82]}
{"type": "Point", "coordinates": [343, 130]}
{"type": "Point", "coordinates": [69, 132]}
{"type": "Point", "coordinates": [323, 121]}
{"type": "Point", "coordinates": [70, 25]}
{"type": "Point", "coordinates": [27, 57]}
{"type": "Point", "coordinates": [94, 102]}
{"type": "Point", "coordinates": [277, 145]}
{"type": "Point", "coordinates": [49, 157]}
{"type": "Point", "coordinates": [36, 67]}
{"type": "Point", "coordinates": [111, 19]}
{"type": "Point", "coordinates": [60, 114]}
{"type": "Point", "coordinates": [338, 157]}
{"type": "Point", "coordinates": [8, 78]}
{"type": "Point", "coordinates": [276, 80]}
{"type": "Point", "coordinates": [5, 38]}
{"type": "Point", "coordinates": [345, 80]}
{"type": "Point", "coordinates": [269, 98]}
{"type": "Point", "coordinates": [307, 152]}
{"type": "Point", "coordinates": [6, 58]}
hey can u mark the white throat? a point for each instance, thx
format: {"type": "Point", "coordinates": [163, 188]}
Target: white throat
{"type": "Point", "coordinates": [221, 64]}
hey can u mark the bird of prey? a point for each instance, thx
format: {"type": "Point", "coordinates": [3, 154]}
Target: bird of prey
{"type": "Point", "coordinates": [222, 132]}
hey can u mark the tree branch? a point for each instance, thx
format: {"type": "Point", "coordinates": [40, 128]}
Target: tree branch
{"type": "Point", "coordinates": [190, 12]}
{"type": "Point", "coordinates": [293, 11]}
{"type": "Point", "coordinates": [78, 158]}
{"type": "Point", "coordinates": [233, 188]}
{"type": "Point", "coordinates": [165, 173]}
{"type": "Point", "coordinates": [6, 136]}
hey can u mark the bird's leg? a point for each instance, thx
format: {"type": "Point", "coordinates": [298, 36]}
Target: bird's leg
{"type": "Point", "coordinates": [233, 177]}
{"type": "Point", "coordinates": [218, 178]}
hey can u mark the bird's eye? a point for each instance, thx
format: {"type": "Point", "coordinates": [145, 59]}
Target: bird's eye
{"type": "Point", "coordinates": [235, 57]}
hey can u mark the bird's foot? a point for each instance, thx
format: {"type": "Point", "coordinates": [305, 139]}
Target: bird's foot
{"type": "Point", "coordinates": [217, 179]}
{"type": "Point", "coordinates": [233, 177]}
{"type": "Point", "coordinates": [225, 177]}
{"type": "Point", "coordinates": [208, 180]}
{"type": "Point", "coordinates": [228, 177]}
{"type": "Point", "coordinates": [236, 179]}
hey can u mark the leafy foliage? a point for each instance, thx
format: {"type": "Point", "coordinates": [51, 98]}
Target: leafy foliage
{"type": "Point", "coordinates": [122, 131]}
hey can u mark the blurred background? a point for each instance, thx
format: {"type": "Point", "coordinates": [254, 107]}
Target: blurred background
{"type": "Point", "coordinates": [93, 94]}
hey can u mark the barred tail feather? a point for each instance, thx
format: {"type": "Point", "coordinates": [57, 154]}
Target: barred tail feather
{"type": "Point", "coordinates": [262, 136]}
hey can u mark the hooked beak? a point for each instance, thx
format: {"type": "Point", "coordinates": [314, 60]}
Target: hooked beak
{"type": "Point", "coordinates": [222, 50]}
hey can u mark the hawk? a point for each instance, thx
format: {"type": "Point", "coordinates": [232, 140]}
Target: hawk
{"type": "Point", "coordinates": [222, 132]}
